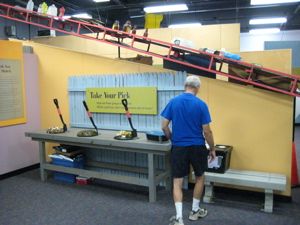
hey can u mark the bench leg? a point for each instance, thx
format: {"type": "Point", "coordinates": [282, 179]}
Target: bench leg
{"type": "Point", "coordinates": [151, 178]}
{"type": "Point", "coordinates": [209, 192]}
{"type": "Point", "coordinates": [268, 201]}
{"type": "Point", "coordinates": [42, 150]}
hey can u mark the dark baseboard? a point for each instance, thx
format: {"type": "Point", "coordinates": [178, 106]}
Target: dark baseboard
{"type": "Point", "coordinates": [240, 192]}
{"type": "Point", "coordinates": [19, 171]}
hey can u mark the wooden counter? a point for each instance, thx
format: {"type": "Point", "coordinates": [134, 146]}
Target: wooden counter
{"type": "Point", "coordinates": [105, 140]}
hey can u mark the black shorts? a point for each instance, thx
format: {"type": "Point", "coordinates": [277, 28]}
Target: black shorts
{"type": "Point", "coordinates": [184, 156]}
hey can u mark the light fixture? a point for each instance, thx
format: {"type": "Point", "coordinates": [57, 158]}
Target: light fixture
{"type": "Point", "coordinates": [184, 25]}
{"type": "Point", "coordinates": [166, 8]}
{"type": "Point", "coordinates": [83, 15]}
{"type": "Point", "coordinates": [265, 2]}
{"type": "Point", "coordinates": [137, 16]}
{"type": "Point", "coordinates": [268, 20]}
{"type": "Point", "coordinates": [264, 31]}
{"type": "Point", "coordinates": [101, 0]}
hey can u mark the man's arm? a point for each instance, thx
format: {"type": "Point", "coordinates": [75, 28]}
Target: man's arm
{"type": "Point", "coordinates": [165, 128]}
{"type": "Point", "coordinates": [210, 140]}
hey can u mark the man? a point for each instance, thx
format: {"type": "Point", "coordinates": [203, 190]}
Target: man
{"type": "Point", "coordinates": [190, 129]}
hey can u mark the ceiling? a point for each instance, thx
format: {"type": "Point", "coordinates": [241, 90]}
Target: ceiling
{"type": "Point", "coordinates": [207, 12]}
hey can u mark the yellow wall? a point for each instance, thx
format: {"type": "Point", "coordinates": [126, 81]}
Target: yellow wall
{"type": "Point", "coordinates": [210, 36]}
{"type": "Point", "coordinates": [56, 64]}
{"type": "Point", "coordinates": [257, 123]}
{"type": "Point", "coordinates": [270, 59]}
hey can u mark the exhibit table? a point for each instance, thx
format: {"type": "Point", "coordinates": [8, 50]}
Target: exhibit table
{"type": "Point", "coordinates": [105, 140]}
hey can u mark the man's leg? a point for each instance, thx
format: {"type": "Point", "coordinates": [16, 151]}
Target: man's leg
{"type": "Point", "coordinates": [197, 212]}
{"type": "Point", "coordinates": [177, 196]}
{"type": "Point", "coordinates": [177, 189]}
{"type": "Point", "coordinates": [198, 189]}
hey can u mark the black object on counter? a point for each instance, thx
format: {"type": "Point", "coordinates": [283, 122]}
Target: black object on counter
{"type": "Point", "coordinates": [60, 115]}
{"type": "Point", "coordinates": [134, 132]}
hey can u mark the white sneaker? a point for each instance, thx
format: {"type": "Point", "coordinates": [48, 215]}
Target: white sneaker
{"type": "Point", "coordinates": [175, 221]}
{"type": "Point", "coordinates": [198, 214]}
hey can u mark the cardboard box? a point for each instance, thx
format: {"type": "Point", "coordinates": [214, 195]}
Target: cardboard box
{"type": "Point", "coordinates": [222, 162]}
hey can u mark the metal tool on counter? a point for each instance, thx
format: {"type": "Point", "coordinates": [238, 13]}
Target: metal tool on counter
{"type": "Point", "coordinates": [126, 135]}
{"type": "Point", "coordinates": [88, 133]}
{"type": "Point", "coordinates": [57, 130]}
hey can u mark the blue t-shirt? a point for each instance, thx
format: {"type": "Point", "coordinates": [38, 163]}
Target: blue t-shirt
{"type": "Point", "coordinates": [188, 113]}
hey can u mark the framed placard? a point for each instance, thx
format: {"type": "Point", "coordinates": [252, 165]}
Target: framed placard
{"type": "Point", "coordinates": [12, 94]}
{"type": "Point", "coordinates": [141, 100]}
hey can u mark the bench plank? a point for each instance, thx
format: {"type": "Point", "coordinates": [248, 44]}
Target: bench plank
{"type": "Point", "coordinates": [267, 181]}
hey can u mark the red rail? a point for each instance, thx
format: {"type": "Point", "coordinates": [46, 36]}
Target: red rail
{"type": "Point", "coordinates": [244, 72]}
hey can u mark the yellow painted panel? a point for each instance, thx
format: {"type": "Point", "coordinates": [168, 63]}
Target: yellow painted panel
{"type": "Point", "coordinates": [257, 123]}
{"type": "Point", "coordinates": [204, 36]}
{"type": "Point", "coordinates": [279, 60]}
{"type": "Point", "coordinates": [56, 64]}
{"type": "Point", "coordinates": [99, 48]}
{"type": "Point", "coordinates": [140, 100]}
{"type": "Point", "coordinates": [249, 122]}
{"type": "Point", "coordinates": [230, 38]}
{"type": "Point", "coordinates": [11, 50]}
{"type": "Point", "coordinates": [163, 34]}
{"type": "Point", "coordinates": [204, 89]}
{"type": "Point", "coordinates": [44, 40]}
{"type": "Point", "coordinates": [153, 20]}
{"type": "Point", "coordinates": [209, 37]}
{"type": "Point", "coordinates": [68, 42]}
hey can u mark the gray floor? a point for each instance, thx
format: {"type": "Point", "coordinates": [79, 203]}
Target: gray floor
{"type": "Point", "coordinates": [25, 199]}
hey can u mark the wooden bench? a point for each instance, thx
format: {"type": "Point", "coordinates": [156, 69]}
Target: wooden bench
{"type": "Point", "coordinates": [267, 181]}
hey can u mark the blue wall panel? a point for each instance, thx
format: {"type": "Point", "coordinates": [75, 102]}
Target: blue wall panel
{"type": "Point", "coordinates": [168, 86]}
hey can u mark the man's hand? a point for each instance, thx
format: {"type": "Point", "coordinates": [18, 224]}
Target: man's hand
{"type": "Point", "coordinates": [212, 155]}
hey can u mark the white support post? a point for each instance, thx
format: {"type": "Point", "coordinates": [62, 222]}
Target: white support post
{"type": "Point", "coordinates": [209, 192]}
{"type": "Point", "coordinates": [268, 207]}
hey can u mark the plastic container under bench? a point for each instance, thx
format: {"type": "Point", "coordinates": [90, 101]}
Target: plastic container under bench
{"type": "Point", "coordinates": [78, 163]}
{"type": "Point", "coordinates": [223, 155]}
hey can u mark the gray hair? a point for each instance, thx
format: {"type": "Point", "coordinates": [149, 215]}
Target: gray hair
{"type": "Point", "coordinates": [192, 81]}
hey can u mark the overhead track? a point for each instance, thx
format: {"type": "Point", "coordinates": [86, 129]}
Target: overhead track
{"type": "Point", "coordinates": [243, 72]}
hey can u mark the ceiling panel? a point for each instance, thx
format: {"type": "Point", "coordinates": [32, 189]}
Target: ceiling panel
{"type": "Point", "coordinates": [206, 12]}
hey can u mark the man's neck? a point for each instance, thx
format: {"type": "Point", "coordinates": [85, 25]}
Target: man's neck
{"type": "Point", "coordinates": [191, 90]}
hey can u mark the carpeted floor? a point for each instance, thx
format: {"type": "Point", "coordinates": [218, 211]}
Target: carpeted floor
{"type": "Point", "coordinates": [25, 199]}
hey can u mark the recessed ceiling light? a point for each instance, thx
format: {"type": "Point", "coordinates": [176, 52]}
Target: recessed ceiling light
{"type": "Point", "coordinates": [166, 8]}
{"type": "Point", "coordinates": [268, 20]}
{"type": "Point", "coordinates": [264, 31]}
{"type": "Point", "coordinates": [265, 2]}
{"type": "Point", "coordinates": [101, 0]}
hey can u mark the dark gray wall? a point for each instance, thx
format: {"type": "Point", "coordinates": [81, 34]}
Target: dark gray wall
{"type": "Point", "coordinates": [24, 31]}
